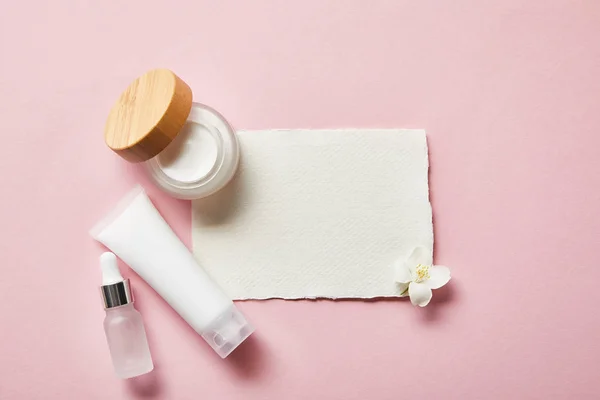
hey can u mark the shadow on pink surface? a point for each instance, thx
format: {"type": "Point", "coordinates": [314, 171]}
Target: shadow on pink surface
{"type": "Point", "coordinates": [442, 298]}
{"type": "Point", "coordinates": [247, 360]}
{"type": "Point", "coordinates": [146, 386]}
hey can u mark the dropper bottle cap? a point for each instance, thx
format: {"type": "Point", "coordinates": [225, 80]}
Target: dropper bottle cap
{"type": "Point", "coordinates": [115, 290]}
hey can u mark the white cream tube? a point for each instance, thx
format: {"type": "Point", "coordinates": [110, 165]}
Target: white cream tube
{"type": "Point", "coordinates": [137, 233]}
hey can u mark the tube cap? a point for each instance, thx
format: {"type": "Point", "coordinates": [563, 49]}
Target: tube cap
{"type": "Point", "coordinates": [227, 332]}
{"type": "Point", "coordinates": [148, 115]}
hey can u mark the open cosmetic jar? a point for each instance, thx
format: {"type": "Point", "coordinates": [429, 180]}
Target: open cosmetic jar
{"type": "Point", "coordinates": [189, 149]}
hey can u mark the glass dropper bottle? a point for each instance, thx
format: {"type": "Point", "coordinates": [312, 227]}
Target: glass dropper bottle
{"type": "Point", "coordinates": [123, 325]}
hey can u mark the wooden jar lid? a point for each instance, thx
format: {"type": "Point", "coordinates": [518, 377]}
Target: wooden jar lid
{"type": "Point", "coordinates": [148, 115]}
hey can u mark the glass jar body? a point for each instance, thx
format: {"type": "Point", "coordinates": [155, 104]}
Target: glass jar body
{"type": "Point", "coordinates": [201, 160]}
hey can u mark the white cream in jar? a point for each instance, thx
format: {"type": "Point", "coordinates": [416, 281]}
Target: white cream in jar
{"type": "Point", "coordinates": [189, 149]}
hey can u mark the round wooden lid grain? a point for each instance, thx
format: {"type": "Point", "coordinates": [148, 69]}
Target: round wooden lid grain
{"type": "Point", "coordinates": [148, 115]}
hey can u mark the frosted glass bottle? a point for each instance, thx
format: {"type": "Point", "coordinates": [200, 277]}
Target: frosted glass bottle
{"type": "Point", "coordinates": [123, 325]}
{"type": "Point", "coordinates": [127, 341]}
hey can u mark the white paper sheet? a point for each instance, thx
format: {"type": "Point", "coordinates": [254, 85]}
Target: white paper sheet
{"type": "Point", "coordinates": [317, 213]}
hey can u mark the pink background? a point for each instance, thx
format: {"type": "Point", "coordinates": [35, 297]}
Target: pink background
{"type": "Point", "coordinates": [509, 93]}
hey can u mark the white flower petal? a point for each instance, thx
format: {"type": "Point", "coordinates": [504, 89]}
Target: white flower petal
{"type": "Point", "coordinates": [420, 294]}
{"type": "Point", "coordinates": [403, 274]}
{"type": "Point", "coordinates": [439, 275]}
{"type": "Point", "coordinates": [403, 288]}
{"type": "Point", "coordinates": [419, 255]}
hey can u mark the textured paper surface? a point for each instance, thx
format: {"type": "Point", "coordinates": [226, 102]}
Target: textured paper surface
{"type": "Point", "coordinates": [316, 213]}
